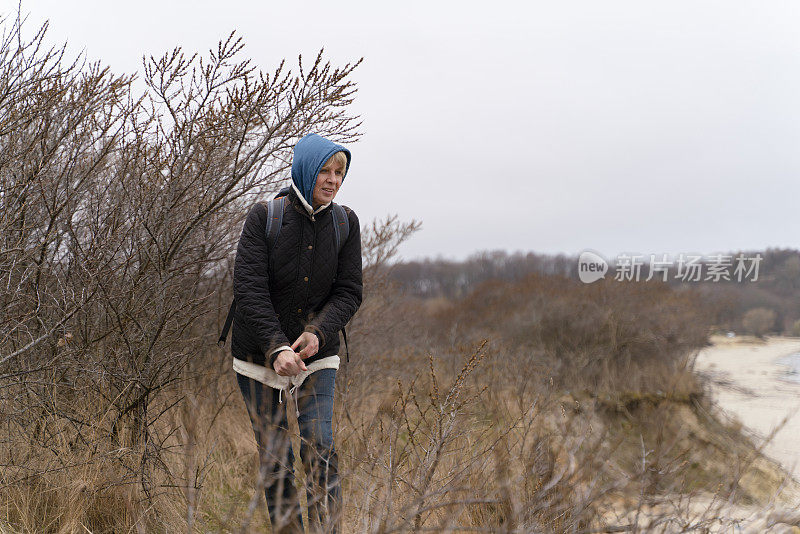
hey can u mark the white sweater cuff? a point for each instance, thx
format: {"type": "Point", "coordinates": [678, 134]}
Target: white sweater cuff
{"type": "Point", "coordinates": [280, 349]}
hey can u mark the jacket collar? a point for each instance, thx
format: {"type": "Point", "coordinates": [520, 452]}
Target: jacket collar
{"type": "Point", "coordinates": [306, 206]}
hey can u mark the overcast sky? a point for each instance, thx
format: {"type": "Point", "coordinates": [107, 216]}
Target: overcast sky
{"type": "Point", "coordinates": [551, 127]}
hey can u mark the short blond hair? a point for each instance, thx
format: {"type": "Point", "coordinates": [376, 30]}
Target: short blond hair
{"type": "Point", "coordinates": [340, 158]}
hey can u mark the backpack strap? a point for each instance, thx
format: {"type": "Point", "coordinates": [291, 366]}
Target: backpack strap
{"type": "Point", "coordinates": [346, 350]}
{"type": "Point", "coordinates": [275, 208]}
{"type": "Point", "coordinates": [341, 226]}
{"type": "Point", "coordinates": [228, 320]}
{"type": "Point", "coordinates": [341, 231]}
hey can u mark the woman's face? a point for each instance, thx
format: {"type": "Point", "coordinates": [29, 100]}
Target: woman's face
{"type": "Point", "coordinates": [328, 182]}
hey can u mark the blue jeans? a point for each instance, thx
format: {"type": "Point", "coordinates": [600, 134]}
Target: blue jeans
{"type": "Point", "coordinates": [317, 452]}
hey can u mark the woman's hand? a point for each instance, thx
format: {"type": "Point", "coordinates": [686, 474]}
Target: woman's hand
{"type": "Point", "coordinates": [289, 363]}
{"type": "Point", "coordinates": [309, 343]}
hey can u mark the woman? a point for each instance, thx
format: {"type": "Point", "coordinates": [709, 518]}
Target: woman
{"type": "Point", "coordinates": [293, 296]}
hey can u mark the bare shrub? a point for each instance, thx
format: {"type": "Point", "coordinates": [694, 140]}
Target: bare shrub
{"type": "Point", "coordinates": [118, 217]}
{"type": "Point", "coordinates": [758, 321]}
{"type": "Point", "coordinates": [605, 336]}
{"type": "Point", "coordinates": [796, 328]}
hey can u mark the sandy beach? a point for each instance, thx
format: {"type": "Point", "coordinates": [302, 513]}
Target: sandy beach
{"type": "Point", "coordinates": [750, 385]}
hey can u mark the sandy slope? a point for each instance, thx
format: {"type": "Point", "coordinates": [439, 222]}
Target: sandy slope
{"type": "Point", "coordinates": [750, 386]}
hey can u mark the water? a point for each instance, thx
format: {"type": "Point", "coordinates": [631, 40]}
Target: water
{"type": "Point", "coordinates": [792, 361]}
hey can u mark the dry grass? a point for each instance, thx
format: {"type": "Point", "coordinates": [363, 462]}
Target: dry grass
{"type": "Point", "coordinates": [468, 436]}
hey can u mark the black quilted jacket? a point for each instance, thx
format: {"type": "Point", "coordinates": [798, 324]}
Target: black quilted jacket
{"type": "Point", "coordinates": [307, 287]}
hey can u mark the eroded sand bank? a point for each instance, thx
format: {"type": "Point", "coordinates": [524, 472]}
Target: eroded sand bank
{"type": "Point", "coordinates": [750, 385]}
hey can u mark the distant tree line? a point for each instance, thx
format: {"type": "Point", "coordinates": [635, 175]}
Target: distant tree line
{"type": "Point", "coordinates": [773, 299]}
{"type": "Point", "coordinates": [453, 279]}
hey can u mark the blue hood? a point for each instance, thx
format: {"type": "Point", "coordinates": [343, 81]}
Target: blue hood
{"type": "Point", "coordinates": [310, 154]}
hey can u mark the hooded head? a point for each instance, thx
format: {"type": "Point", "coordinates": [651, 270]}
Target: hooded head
{"type": "Point", "coordinates": [310, 154]}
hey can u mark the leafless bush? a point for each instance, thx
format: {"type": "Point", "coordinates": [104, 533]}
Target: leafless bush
{"type": "Point", "coordinates": [118, 216]}
{"type": "Point", "coordinates": [378, 319]}
{"type": "Point", "coordinates": [758, 321]}
{"type": "Point", "coordinates": [607, 336]}
{"type": "Point", "coordinates": [796, 328]}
